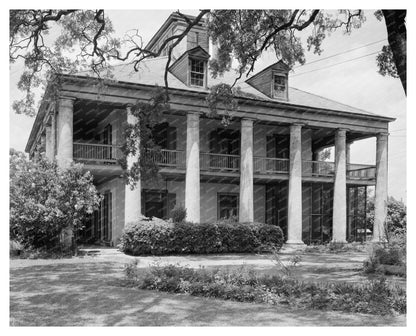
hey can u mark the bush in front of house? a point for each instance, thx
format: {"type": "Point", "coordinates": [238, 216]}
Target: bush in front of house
{"type": "Point", "coordinates": [246, 285]}
{"type": "Point", "coordinates": [45, 200]}
{"type": "Point", "coordinates": [157, 237]}
{"type": "Point", "coordinates": [178, 214]}
{"type": "Point", "coordinates": [386, 258]}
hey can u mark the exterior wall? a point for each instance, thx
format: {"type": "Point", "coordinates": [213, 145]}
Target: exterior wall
{"type": "Point", "coordinates": [117, 118]}
{"type": "Point", "coordinates": [180, 123]}
{"type": "Point", "coordinates": [117, 188]}
{"type": "Point", "coordinates": [209, 192]}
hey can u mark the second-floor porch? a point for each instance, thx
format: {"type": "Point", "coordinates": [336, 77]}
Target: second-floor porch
{"type": "Point", "coordinates": [216, 164]}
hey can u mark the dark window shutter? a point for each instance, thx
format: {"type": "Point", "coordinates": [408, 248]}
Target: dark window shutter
{"type": "Point", "coordinates": [213, 142]}
{"type": "Point", "coordinates": [283, 144]}
{"type": "Point", "coordinates": [270, 146]}
{"type": "Point", "coordinates": [171, 135]}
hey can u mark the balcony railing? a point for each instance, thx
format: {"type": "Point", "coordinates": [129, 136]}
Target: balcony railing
{"type": "Point", "coordinates": [318, 168]}
{"type": "Point", "coordinates": [261, 165]}
{"type": "Point", "coordinates": [93, 152]}
{"type": "Point", "coordinates": [219, 162]}
{"type": "Point", "coordinates": [265, 165]}
{"type": "Point", "coordinates": [361, 172]}
{"type": "Point", "coordinates": [169, 158]}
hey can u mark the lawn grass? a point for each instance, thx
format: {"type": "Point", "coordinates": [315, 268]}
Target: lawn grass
{"type": "Point", "coordinates": [87, 292]}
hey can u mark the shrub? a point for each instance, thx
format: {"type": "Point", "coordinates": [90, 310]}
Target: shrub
{"type": "Point", "coordinates": [45, 200]}
{"type": "Point", "coordinates": [381, 255]}
{"type": "Point", "coordinates": [243, 284]}
{"type": "Point", "coordinates": [178, 214]}
{"type": "Point", "coordinates": [161, 238]}
{"type": "Point", "coordinates": [396, 214]}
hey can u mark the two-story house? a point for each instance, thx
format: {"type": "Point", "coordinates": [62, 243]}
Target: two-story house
{"type": "Point", "coordinates": [263, 167]}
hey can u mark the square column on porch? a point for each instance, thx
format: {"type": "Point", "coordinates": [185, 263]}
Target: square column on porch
{"type": "Point", "coordinates": [339, 220]}
{"type": "Point", "coordinates": [65, 130]}
{"type": "Point", "coordinates": [132, 203]}
{"type": "Point", "coordinates": [246, 172]}
{"type": "Point", "coordinates": [380, 202]}
{"type": "Point", "coordinates": [294, 230]}
{"type": "Point", "coordinates": [192, 178]}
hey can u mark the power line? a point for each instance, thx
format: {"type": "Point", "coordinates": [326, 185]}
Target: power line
{"type": "Point", "coordinates": [341, 53]}
{"type": "Point", "coordinates": [332, 65]}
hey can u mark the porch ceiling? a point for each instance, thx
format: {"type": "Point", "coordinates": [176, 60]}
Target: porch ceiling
{"type": "Point", "coordinates": [325, 137]}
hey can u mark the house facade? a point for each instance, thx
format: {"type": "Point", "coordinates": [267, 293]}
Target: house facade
{"type": "Point", "coordinates": [264, 166]}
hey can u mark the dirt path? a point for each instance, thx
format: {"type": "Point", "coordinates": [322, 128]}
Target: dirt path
{"type": "Point", "coordinates": [86, 292]}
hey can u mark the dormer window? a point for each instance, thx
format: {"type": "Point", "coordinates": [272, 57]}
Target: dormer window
{"type": "Point", "coordinates": [197, 72]}
{"type": "Point", "coordinates": [279, 86]}
{"type": "Point", "coordinates": [191, 67]}
{"type": "Point", "coordinates": [272, 81]}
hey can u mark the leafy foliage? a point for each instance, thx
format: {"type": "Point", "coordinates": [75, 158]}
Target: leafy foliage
{"type": "Point", "coordinates": [246, 285]}
{"type": "Point", "coordinates": [157, 237]}
{"type": "Point", "coordinates": [396, 221]}
{"type": "Point", "coordinates": [44, 200]}
{"type": "Point", "coordinates": [385, 62]}
{"type": "Point", "coordinates": [139, 135]}
{"type": "Point", "coordinates": [178, 214]}
{"type": "Point", "coordinates": [245, 34]}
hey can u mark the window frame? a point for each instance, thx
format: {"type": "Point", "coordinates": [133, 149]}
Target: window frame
{"type": "Point", "coordinates": [203, 73]}
{"type": "Point", "coordinates": [219, 194]}
{"type": "Point", "coordinates": [275, 92]}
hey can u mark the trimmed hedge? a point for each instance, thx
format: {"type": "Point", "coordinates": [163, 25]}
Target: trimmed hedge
{"type": "Point", "coordinates": [146, 237]}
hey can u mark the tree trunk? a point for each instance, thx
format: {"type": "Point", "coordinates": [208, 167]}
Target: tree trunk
{"type": "Point", "coordinates": [396, 30]}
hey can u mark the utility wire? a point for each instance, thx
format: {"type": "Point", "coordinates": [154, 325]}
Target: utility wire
{"type": "Point", "coordinates": [341, 53]}
{"type": "Point", "coordinates": [332, 65]}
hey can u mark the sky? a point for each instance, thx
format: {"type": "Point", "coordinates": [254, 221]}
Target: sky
{"type": "Point", "coordinates": [355, 82]}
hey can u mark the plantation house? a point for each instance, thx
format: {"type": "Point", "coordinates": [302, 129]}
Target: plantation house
{"type": "Point", "coordinates": [263, 167]}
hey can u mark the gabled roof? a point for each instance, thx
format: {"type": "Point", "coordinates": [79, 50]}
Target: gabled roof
{"type": "Point", "coordinates": [173, 17]}
{"type": "Point", "coordinates": [197, 52]}
{"type": "Point", "coordinates": [151, 72]}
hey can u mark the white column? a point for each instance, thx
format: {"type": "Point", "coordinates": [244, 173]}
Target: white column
{"type": "Point", "coordinates": [49, 143]}
{"type": "Point", "coordinates": [339, 220]}
{"type": "Point", "coordinates": [348, 153]}
{"type": "Point", "coordinates": [53, 135]}
{"type": "Point", "coordinates": [380, 202]}
{"type": "Point", "coordinates": [246, 172]}
{"type": "Point", "coordinates": [43, 143]}
{"type": "Point", "coordinates": [65, 132]}
{"type": "Point", "coordinates": [192, 179]}
{"type": "Point", "coordinates": [294, 231]}
{"type": "Point", "coordinates": [132, 200]}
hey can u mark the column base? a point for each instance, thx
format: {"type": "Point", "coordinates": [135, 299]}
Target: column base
{"type": "Point", "coordinates": [295, 242]}
{"type": "Point", "coordinates": [293, 246]}
{"type": "Point", "coordinates": [341, 241]}
{"type": "Point", "coordinates": [379, 240]}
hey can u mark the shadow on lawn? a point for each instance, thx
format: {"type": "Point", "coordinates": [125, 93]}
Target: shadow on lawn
{"type": "Point", "coordinates": [89, 294]}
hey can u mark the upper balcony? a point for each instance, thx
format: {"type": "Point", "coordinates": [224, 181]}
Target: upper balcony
{"type": "Point", "coordinates": [174, 161]}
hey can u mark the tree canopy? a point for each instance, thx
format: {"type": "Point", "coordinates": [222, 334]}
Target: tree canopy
{"type": "Point", "coordinates": [87, 41]}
